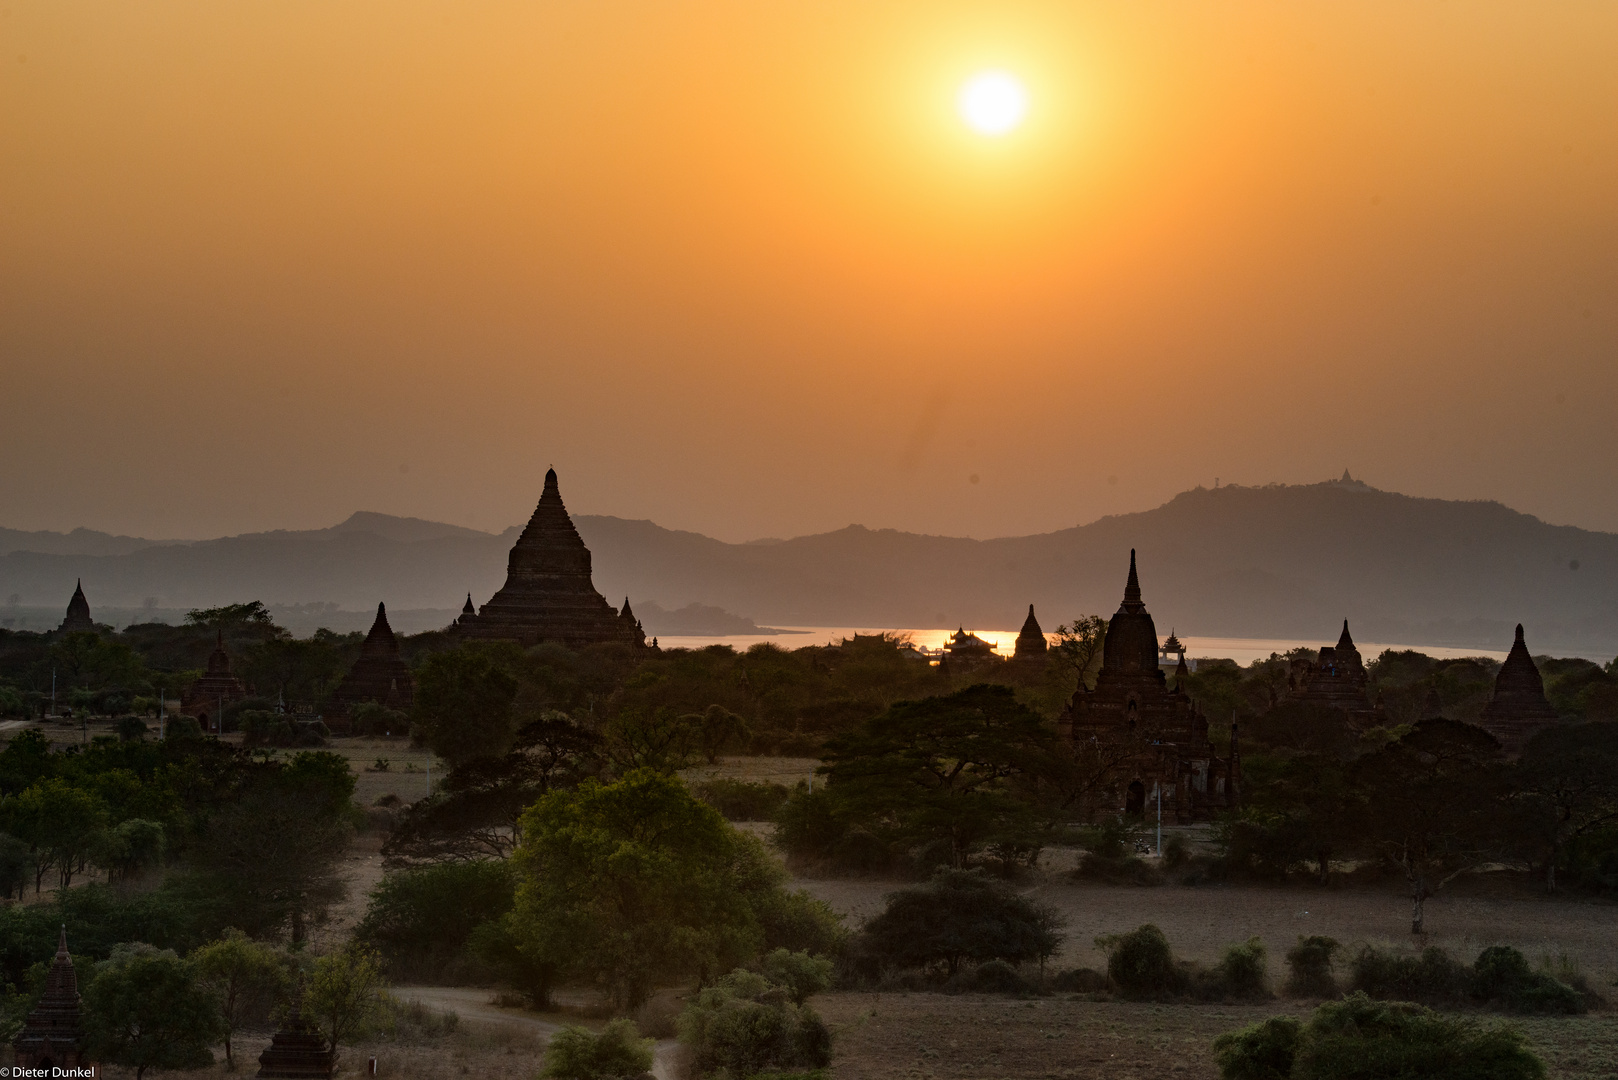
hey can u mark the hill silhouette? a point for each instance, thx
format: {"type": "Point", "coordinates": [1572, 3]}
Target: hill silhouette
{"type": "Point", "coordinates": [1275, 561]}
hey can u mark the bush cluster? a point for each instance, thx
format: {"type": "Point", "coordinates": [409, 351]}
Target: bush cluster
{"type": "Point", "coordinates": [1501, 978]}
{"type": "Point", "coordinates": [745, 1025]}
{"type": "Point", "coordinates": [742, 800]}
{"type": "Point", "coordinates": [1141, 966]}
{"type": "Point", "coordinates": [1359, 1038]}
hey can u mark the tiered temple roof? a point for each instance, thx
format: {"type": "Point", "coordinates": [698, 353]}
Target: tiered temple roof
{"type": "Point", "coordinates": [1132, 705]}
{"type": "Point", "coordinates": [1031, 643]}
{"type": "Point", "coordinates": [1518, 708]}
{"type": "Point", "coordinates": [1338, 680]}
{"type": "Point", "coordinates": [53, 1033]}
{"type": "Point", "coordinates": [78, 611]}
{"type": "Point", "coordinates": [297, 1051]}
{"type": "Point", "coordinates": [205, 699]}
{"type": "Point", "coordinates": [380, 674]}
{"type": "Point", "coordinates": [548, 595]}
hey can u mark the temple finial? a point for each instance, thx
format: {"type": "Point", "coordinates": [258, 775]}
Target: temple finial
{"type": "Point", "coordinates": [1519, 634]}
{"type": "Point", "coordinates": [1132, 587]}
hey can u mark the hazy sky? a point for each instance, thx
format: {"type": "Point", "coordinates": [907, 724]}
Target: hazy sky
{"type": "Point", "coordinates": [739, 268]}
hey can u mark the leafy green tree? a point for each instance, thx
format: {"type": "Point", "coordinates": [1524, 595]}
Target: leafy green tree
{"type": "Point", "coordinates": [16, 866]}
{"type": "Point", "coordinates": [345, 991]}
{"type": "Point", "coordinates": [575, 1053]}
{"type": "Point", "coordinates": [245, 978]}
{"type": "Point", "coordinates": [718, 729]}
{"type": "Point", "coordinates": [144, 1009]}
{"type": "Point", "coordinates": [271, 852]}
{"type": "Point", "coordinates": [745, 1026]}
{"type": "Point", "coordinates": [253, 611]}
{"type": "Point", "coordinates": [1567, 787]}
{"type": "Point", "coordinates": [1429, 804]}
{"type": "Point", "coordinates": [1076, 653]}
{"type": "Point", "coordinates": [421, 919]}
{"type": "Point", "coordinates": [637, 882]}
{"type": "Point", "coordinates": [60, 823]}
{"type": "Point", "coordinates": [653, 737]}
{"type": "Point", "coordinates": [127, 849]}
{"type": "Point", "coordinates": [961, 915]}
{"type": "Point", "coordinates": [463, 703]}
{"type": "Point", "coordinates": [801, 973]}
{"type": "Point", "coordinates": [945, 771]}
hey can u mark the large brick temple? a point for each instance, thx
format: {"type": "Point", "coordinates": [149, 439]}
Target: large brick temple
{"type": "Point", "coordinates": [548, 595]}
{"type": "Point", "coordinates": [380, 675]}
{"type": "Point", "coordinates": [1164, 730]}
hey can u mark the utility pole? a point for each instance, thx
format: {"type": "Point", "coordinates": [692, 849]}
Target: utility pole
{"type": "Point", "coordinates": [162, 713]}
{"type": "Point", "coordinates": [1160, 819]}
{"type": "Point", "coordinates": [53, 692]}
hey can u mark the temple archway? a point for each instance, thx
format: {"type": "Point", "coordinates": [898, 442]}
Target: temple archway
{"type": "Point", "coordinates": [1135, 798]}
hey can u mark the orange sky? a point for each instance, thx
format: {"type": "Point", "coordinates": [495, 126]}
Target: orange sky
{"type": "Point", "coordinates": [738, 268]}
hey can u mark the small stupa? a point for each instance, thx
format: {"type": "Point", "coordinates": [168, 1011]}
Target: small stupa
{"type": "Point", "coordinates": [380, 674]}
{"type": "Point", "coordinates": [298, 1051]}
{"type": "Point", "coordinates": [78, 612]}
{"type": "Point", "coordinates": [548, 595]}
{"type": "Point", "coordinates": [206, 698]}
{"type": "Point", "coordinates": [1031, 643]}
{"type": "Point", "coordinates": [53, 1034]}
{"type": "Point", "coordinates": [1519, 707]}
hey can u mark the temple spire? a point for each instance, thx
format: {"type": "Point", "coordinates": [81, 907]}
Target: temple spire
{"type": "Point", "coordinates": [468, 609]}
{"type": "Point", "coordinates": [1345, 640]}
{"type": "Point", "coordinates": [1132, 600]}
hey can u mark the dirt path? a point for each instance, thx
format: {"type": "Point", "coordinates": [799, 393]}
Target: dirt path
{"type": "Point", "coordinates": [472, 1004]}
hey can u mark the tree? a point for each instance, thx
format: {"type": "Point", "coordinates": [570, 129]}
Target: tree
{"type": "Point", "coordinates": [1428, 804]}
{"type": "Point", "coordinates": [422, 918]}
{"type": "Point", "coordinates": [961, 915]}
{"type": "Point", "coordinates": [1077, 649]}
{"type": "Point", "coordinates": [253, 612]}
{"type": "Point", "coordinates": [60, 824]}
{"type": "Point", "coordinates": [1567, 784]}
{"type": "Point", "coordinates": [945, 770]}
{"type": "Point", "coordinates": [128, 848]}
{"type": "Point", "coordinates": [245, 978]}
{"type": "Point", "coordinates": [463, 702]}
{"type": "Point", "coordinates": [144, 1009]}
{"type": "Point", "coordinates": [344, 992]}
{"type": "Point", "coordinates": [636, 882]}
{"type": "Point", "coordinates": [271, 852]}
{"type": "Point", "coordinates": [717, 729]}
{"type": "Point", "coordinates": [652, 737]}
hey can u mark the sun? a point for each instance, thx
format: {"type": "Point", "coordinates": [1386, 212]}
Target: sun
{"type": "Point", "coordinates": [992, 103]}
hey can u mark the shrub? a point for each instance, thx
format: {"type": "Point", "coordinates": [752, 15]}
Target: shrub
{"type": "Point", "coordinates": [799, 972]}
{"type": "Point", "coordinates": [1434, 977]}
{"type": "Point", "coordinates": [745, 1025]}
{"type": "Point", "coordinates": [1243, 971]}
{"type": "Point", "coordinates": [421, 919]}
{"type": "Point", "coordinates": [1502, 977]}
{"type": "Point", "coordinates": [577, 1054]}
{"type": "Point", "coordinates": [131, 729]}
{"type": "Point", "coordinates": [182, 727]}
{"type": "Point", "coordinates": [1080, 981]}
{"type": "Point", "coordinates": [742, 800]}
{"type": "Point", "coordinates": [997, 977]}
{"type": "Point", "coordinates": [961, 915]}
{"type": "Point", "coordinates": [1310, 962]}
{"type": "Point", "coordinates": [261, 727]}
{"type": "Point", "coordinates": [370, 718]}
{"type": "Point", "coordinates": [1361, 1039]}
{"type": "Point", "coordinates": [1262, 1051]}
{"type": "Point", "coordinates": [799, 922]}
{"type": "Point", "coordinates": [1141, 964]}
{"type": "Point", "coordinates": [1176, 852]}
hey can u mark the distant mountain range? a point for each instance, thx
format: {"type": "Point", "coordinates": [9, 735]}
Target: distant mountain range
{"type": "Point", "coordinates": [1276, 561]}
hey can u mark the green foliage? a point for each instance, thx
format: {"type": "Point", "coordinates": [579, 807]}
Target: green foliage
{"type": "Point", "coordinates": [1501, 976]}
{"type": "Point", "coordinates": [943, 773]}
{"type": "Point", "coordinates": [345, 992]}
{"type": "Point", "coordinates": [997, 977]}
{"type": "Point", "coordinates": [1243, 971]}
{"type": "Point", "coordinates": [261, 727]}
{"type": "Point", "coordinates": [799, 922]}
{"type": "Point", "coordinates": [131, 728]}
{"type": "Point", "coordinates": [801, 973]}
{"type": "Point", "coordinates": [143, 1008]}
{"type": "Point", "coordinates": [1433, 976]}
{"type": "Point", "coordinates": [246, 980]}
{"type": "Point", "coordinates": [961, 916]}
{"type": "Point", "coordinates": [422, 919]}
{"type": "Point", "coordinates": [742, 800]}
{"type": "Point", "coordinates": [744, 1025]}
{"type": "Point", "coordinates": [253, 611]}
{"type": "Point", "coordinates": [463, 702]}
{"type": "Point", "coordinates": [371, 718]}
{"type": "Point", "coordinates": [1142, 965]}
{"type": "Point", "coordinates": [637, 882]}
{"type": "Point", "coordinates": [59, 822]}
{"type": "Point", "coordinates": [1361, 1039]}
{"type": "Point", "coordinates": [1261, 1051]}
{"type": "Point", "coordinates": [577, 1054]}
{"type": "Point", "coordinates": [1310, 966]}
{"type": "Point", "coordinates": [16, 866]}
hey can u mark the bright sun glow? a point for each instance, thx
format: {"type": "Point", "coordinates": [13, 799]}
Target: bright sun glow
{"type": "Point", "coordinates": [992, 102]}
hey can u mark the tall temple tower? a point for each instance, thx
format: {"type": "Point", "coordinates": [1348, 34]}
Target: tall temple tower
{"type": "Point", "coordinates": [78, 612]}
{"type": "Point", "coordinates": [1518, 707]}
{"type": "Point", "coordinates": [380, 675]}
{"type": "Point", "coordinates": [53, 1035]}
{"type": "Point", "coordinates": [548, 595]}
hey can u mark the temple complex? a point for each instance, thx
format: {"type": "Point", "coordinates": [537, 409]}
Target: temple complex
{"type": "Point", "coordinates": [53, 1035]}
{"type": "Point", "coordinates": [548, 595]}
{"type": "Point", "coordinates": [1518, 708]}
{"type": "Point", "coordinates": [1032, 648]}
{"type": "Point", "coordinates": [1163, 731]}
{"type": "Point", "coordinates": [380, 675]}
{"type": "Point", "coordinates": [1337, 680]}
{"type": "Point", "coordinates": [206, 698]}
{"type": "Point", "coordinates": [78, 612]}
